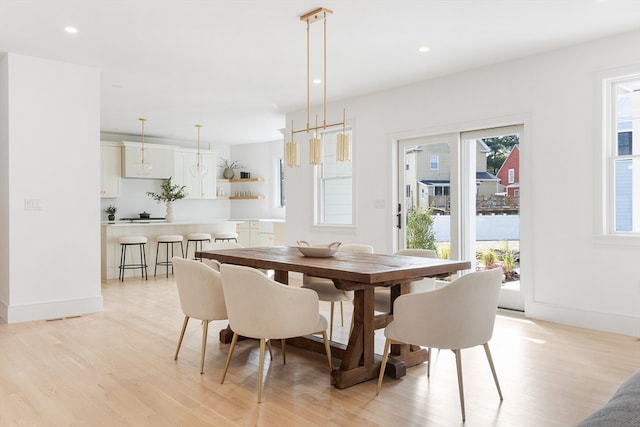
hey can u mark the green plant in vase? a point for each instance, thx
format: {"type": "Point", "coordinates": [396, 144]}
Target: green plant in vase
{"type": "Point", "coordinates": [111, 212]}
{"type": "Point", "coordinates": [169, 194]}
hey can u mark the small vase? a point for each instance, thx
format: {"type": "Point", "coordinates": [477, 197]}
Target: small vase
{"type": "Point", "coordinates": [228, 173]}
{"type": "Point", "coordinates": [111, 218]}
{"type": "Point", "coordinates": [169, 216]}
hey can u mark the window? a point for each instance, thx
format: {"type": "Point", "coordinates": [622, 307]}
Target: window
{"type": "Point", "coordinates": [283, 199]}
{"type": "Point", "coordinates": [512, 174]}
{"type": "Point", "coordinates": [434, 162]}
{"type": "Point", "coordinates": [623, 159]}
{"type": "Point", "coordinates": [335, 185]}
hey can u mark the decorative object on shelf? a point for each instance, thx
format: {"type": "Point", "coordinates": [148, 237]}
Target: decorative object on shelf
{"type": "Point", "coordinates": [143, 168]}
{"type": "Point", "coordinates": [315, 143]}
{"type": "Point", "coordinates": [111, 212]}
{"type": "Point", "coordinates": [228, 171]}
{"type": "Point", "coordinates": [198, 170]}
{"type": "Point", "coordinates": [245, 175]}
{"type": "Point", "coordinates": [170, 193]}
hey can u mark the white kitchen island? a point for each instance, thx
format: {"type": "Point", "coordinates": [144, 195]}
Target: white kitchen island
{"type": "Point", "coordinates": [110, 232]}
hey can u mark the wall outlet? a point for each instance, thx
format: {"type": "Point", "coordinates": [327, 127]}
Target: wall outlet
{"type": "Point", "coordinates": [33, 205]}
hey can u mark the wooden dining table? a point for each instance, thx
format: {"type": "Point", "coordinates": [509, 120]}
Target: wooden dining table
{"type": "Point", "coordinates": [357, 272]}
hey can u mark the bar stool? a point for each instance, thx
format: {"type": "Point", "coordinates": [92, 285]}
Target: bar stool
{"type": "Point", "coordinates": [141, 242]}
{"type": "Point", "coordinates": [168, 240]}
{"type": "Point", "coordinates": [225, 237]}
{"type": "Point", "coordinates": [196, 238]}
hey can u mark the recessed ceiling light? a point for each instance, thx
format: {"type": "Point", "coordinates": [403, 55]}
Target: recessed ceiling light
{"type": "Point", "coordinates": [316, 81]}
{"type": "Point", "coordinates": [71, 30]}
{"type": "Point", "coordinates": [423, 49]}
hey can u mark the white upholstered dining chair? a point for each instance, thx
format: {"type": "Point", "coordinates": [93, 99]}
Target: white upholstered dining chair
{"type": "Point", "coordinates": [264, 309]}
{"type": "Point", "coordinates": [226, 245]}
{"type": "Point", "coordinates": [327, 291]}
{"type": "Point", "coordinates": [200, 291]}
{"type": "Point", "coordinates": [457, 316]}
{"type": "Point", "coordinates": [382, 296]}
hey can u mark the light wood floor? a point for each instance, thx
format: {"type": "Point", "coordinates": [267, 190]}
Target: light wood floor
{"type": "Point", "coordinates": [116, 368]}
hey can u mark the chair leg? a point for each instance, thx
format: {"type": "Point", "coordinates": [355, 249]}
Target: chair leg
{"type": "Point", "coordinates": [234, 340]}
{"type": "Point", "coordinates": [184, 328]}
{"type": "Point", "coordinates": [283, 344]}
{"type": "Point", "coordinates": [341, 314]}
{"type": "Point", "coordinates": [123, 255]}
{"type": "Point", "coordinates": [205, 329]}
{"type": "Point", "coordinates": [327, 349]}
{"type": "Point", "coordinates": [493, 369]}
{"type": "Point", "coordinates": [261, 369]}
{"type": "Point", "coordinates": [270, 349]}
{"type": "Point", "coordinates": [383, 364]}
{"type": "Point", "coordinates": [331, 321]}
{"type": "Point", "coordinates": [460, 387]}
{"type": "Point", "coordinates": [429, 362]}
{"type": "Point", "coordinates": [155, 268]}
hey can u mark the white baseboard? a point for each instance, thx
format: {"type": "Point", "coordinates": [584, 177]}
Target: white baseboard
{"type": "Point", "coordinates": [51, 310]}
{"type": "Point", "coordinates": [607, 322]}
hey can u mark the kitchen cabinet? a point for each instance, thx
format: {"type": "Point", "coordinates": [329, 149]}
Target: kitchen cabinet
{"type": "Point", "coordinates": [254, 233]}
{"type": "Point", "coordinates": [110, 170]}
{"type": "Point", "coordinates": [248, 235]}
{"type": "Point", "coordinates": [196, 187]}
{"type": "Point", "coordinates": [161, 158]}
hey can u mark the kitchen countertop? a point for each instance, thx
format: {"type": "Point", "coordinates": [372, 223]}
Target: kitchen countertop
{"type": "Point", "coordinates": [128, 223]}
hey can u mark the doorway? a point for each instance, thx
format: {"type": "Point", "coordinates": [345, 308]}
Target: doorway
{"type": "Point", "coordinates": [469, 185]}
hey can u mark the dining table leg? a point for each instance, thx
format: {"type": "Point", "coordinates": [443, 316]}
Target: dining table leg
{"type": "Point", "coordinates": [359, 362]}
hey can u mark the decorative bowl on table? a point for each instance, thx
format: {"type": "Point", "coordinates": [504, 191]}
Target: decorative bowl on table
{"type": "Point", "coordinates": [318, 251]}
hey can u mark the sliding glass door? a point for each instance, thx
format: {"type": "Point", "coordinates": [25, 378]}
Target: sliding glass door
{"type": "Point", "coordinates": [460, 195]}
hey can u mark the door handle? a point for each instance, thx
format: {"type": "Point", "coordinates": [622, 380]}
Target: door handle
{"type": "Point", "coordinates": [399, 216]}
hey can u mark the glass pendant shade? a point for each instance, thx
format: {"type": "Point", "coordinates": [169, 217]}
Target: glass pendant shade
{"type": "Point", "coordinates": [198, 170]}
{"type": "Point", "coordinates": [144, 167]}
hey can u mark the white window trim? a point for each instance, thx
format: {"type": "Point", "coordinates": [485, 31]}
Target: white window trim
{"type": "Point", "coordinates": [604, 146]}
{"type": "Point", "coordinates": [317, 191]}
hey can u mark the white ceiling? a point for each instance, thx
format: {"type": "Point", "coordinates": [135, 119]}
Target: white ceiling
{"type": "Point", "coordinates": [237, 66]}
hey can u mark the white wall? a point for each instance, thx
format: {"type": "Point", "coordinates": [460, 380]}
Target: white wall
{"type": "Point", "coordinates": [261, 161]}
{"type": "Point", "coordinates": [50, 144]}
{"type": "Point", "coordinates": [570, 275]}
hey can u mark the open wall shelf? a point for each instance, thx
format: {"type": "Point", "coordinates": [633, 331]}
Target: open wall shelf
{"type": "Point", "coordinates": [234, 180]}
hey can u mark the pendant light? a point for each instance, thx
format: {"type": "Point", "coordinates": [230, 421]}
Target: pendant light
{"type": "Point", "coordinates": [198, 170]}
{"type": "Point", "coordinates": [143, 168]}
{"type": "Point", "coordinates": [292, 151]}
{"type": "Point", "coordinates": [315, 143]}
{"type": "Point", "coordinates": [343, 147]}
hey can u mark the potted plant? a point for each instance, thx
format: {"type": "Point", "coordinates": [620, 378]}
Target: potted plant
{"type": "Point", "coordinates": [169, 194]}
{"type": "Point", "coordinates": [111, 212]}
{"type": "Point", "coordinates": [228, 172]}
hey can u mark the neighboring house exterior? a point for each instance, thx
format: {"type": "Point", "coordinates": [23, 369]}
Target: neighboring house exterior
{"type": "Point", "coordinates": [429, 176]}
{"type": "Point", "coordinates": [509, 173]}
